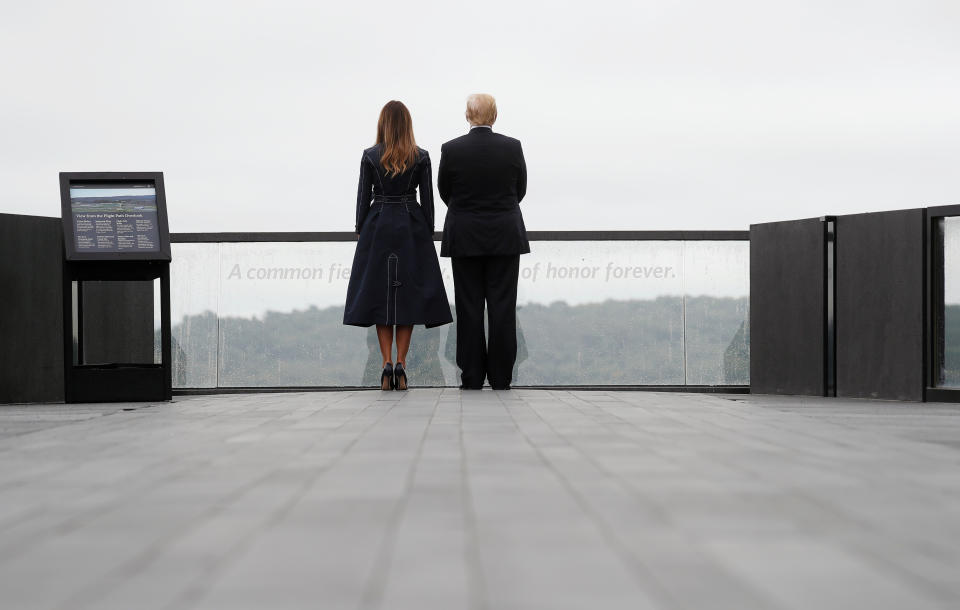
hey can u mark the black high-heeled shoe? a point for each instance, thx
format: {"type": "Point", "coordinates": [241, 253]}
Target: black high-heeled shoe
{"type": "Point", "coordinates": [399, 377]}
{"type": "Point", "coordinates": [386, 378]}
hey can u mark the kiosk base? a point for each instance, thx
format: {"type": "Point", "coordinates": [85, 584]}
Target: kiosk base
{"type": "Point", "coordinates": [117, 383]}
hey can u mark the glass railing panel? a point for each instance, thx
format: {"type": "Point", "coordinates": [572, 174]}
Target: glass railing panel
{"type": "Point", "coordinates": [600, 313]}
{"type": "Point", "coordinates": [281, 321]}
{"type": "Point", "coordinates": [950, 367]}
{"type": "Point", "coordinates": [716, 312]}
{"type": "Point", "coordinates": [194, 310]}
{"type": "Point", "coordinates": [257, 314]}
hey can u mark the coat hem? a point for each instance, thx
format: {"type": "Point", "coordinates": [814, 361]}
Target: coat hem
{"type": "Point", "coordinates": [511, 253]}
{"type": "Point", "coordinates": [424, 324]}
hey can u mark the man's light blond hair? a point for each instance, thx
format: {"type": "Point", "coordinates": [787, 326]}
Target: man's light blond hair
{"type": "Point", "coordinates": [481, 109]}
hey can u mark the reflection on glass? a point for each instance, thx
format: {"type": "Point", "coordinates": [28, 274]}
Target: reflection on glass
{"type": "Point", "coordinates": [194, 311]}
{"type": "Point", "coordinates": [950, 368]}
{"type": "Point", "coordinates": [600, 313]}
{"type": "Point", "coordinates": [716, 292]}
{"type": "Point", "coordinates": [157, 322]}
{"type": "Point", "coordinates": [589, 313]}
{"type": "Point", "coordinates": [281, 321]}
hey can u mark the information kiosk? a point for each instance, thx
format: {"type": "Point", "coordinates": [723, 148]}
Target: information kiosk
{"type": "Point", "coordinates": [116, 287]}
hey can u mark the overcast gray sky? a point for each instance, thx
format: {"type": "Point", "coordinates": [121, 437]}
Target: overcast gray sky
{"type": "Point", "coordinates": [633, 115]}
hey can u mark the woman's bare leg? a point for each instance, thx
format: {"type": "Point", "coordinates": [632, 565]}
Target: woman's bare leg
{"type": "Point", "coordinates": [385, 337]}
{"type": "Point", "coordinates": [403, 342]}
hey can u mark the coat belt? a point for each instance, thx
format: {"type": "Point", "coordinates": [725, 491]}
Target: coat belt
{"type": "Point", "coordinates": [394, 198]}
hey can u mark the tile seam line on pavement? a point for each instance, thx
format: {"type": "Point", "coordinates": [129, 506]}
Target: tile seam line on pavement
{"type": "Point", "coordinates": [70, 524]}
{"type": "Point", "coordinates": [136, 564]}
{"type": "Point", "coordinates": [908, 580]}
{"type": "Point", "coordinates": [375, 588]}
{"type": "Point", "coordinates": [903, 577]}
{"type": "Point", "coordinates": [195, 591]}
{"type": "Point", "coordinates": [633, 563]}
{"type": "Point", "coordinates": [52, 426]}
{"type": "Point", "coordinates": [60, 528]}
{"type": "Point", "coordinates": [14, 439]}
{"type": "Point", "coordinates": [633, 441]}
{"type": "Point", "coordinates": [647, 582]}
{"type": "Point", "coordinates": [476, 577]}
{"type": "Point", "coordinates": [879, 561]}
{"type": "Point", "coordinates": [17, 483]}
{"type": "Point", "coordinates": [780, 425]}
{"type": "Point", "coordinates": [624, 485]}
{"type": "Point", "coordinates": [711, 430]}
{"type": "Point", "coordinates": [717, 432]}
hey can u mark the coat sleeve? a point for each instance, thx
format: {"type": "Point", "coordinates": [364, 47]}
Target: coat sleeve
{"type": "Point", "coordinates": [443, 177]}
{"type": "Point", "coordinates": [364, 192]}
{"type": "Point", "coordinates": [426, 190]}
{"type": "Point", "coordinates": [522, 178]}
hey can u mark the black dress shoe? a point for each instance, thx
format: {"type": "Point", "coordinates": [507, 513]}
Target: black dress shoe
{"type": "Point", "coordinates": [399, 377]}
{"type": "Point", "coordinates": [386, 378]}
{"type": "Point", "coordinates": [501, 388]}
{"type": "Point", "coordinates": [470, 387]}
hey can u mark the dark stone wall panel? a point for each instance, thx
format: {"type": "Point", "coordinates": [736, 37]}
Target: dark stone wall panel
{"type": "Point", "coordinates": [787, 307]}
{"type": "Point", "coordinates": [880, 305]}
{"type": "Point", "coordinates": [31, 309]}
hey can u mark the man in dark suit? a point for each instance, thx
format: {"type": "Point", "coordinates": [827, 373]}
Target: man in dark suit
{"type": "Point", "coordinates": [482, 178]}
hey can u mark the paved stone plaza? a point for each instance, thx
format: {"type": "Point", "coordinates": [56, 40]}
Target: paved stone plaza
{"type": "Point", "coordinates": [437, 499]}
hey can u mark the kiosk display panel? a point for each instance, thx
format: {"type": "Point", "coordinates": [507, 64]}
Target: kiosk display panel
{"type": "Point", "coordinates": [114, 218]}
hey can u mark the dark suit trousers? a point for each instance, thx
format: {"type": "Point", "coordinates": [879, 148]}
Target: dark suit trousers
{"type": "Point", "coordinates": [490, 279]}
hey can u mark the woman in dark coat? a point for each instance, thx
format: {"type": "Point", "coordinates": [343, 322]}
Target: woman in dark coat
{"type": "Point", "coordinates": [395, 280]}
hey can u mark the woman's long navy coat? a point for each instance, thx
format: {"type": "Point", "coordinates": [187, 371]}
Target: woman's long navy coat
{"type": "Point", "coordinates": [396, 275]}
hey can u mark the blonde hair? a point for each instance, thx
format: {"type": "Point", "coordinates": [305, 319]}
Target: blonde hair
{"type": "Point", "coordinates": [481, 109]}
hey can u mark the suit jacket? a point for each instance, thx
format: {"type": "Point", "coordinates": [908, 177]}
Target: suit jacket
{"type": "Point", "coordinates": [482, 178]}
